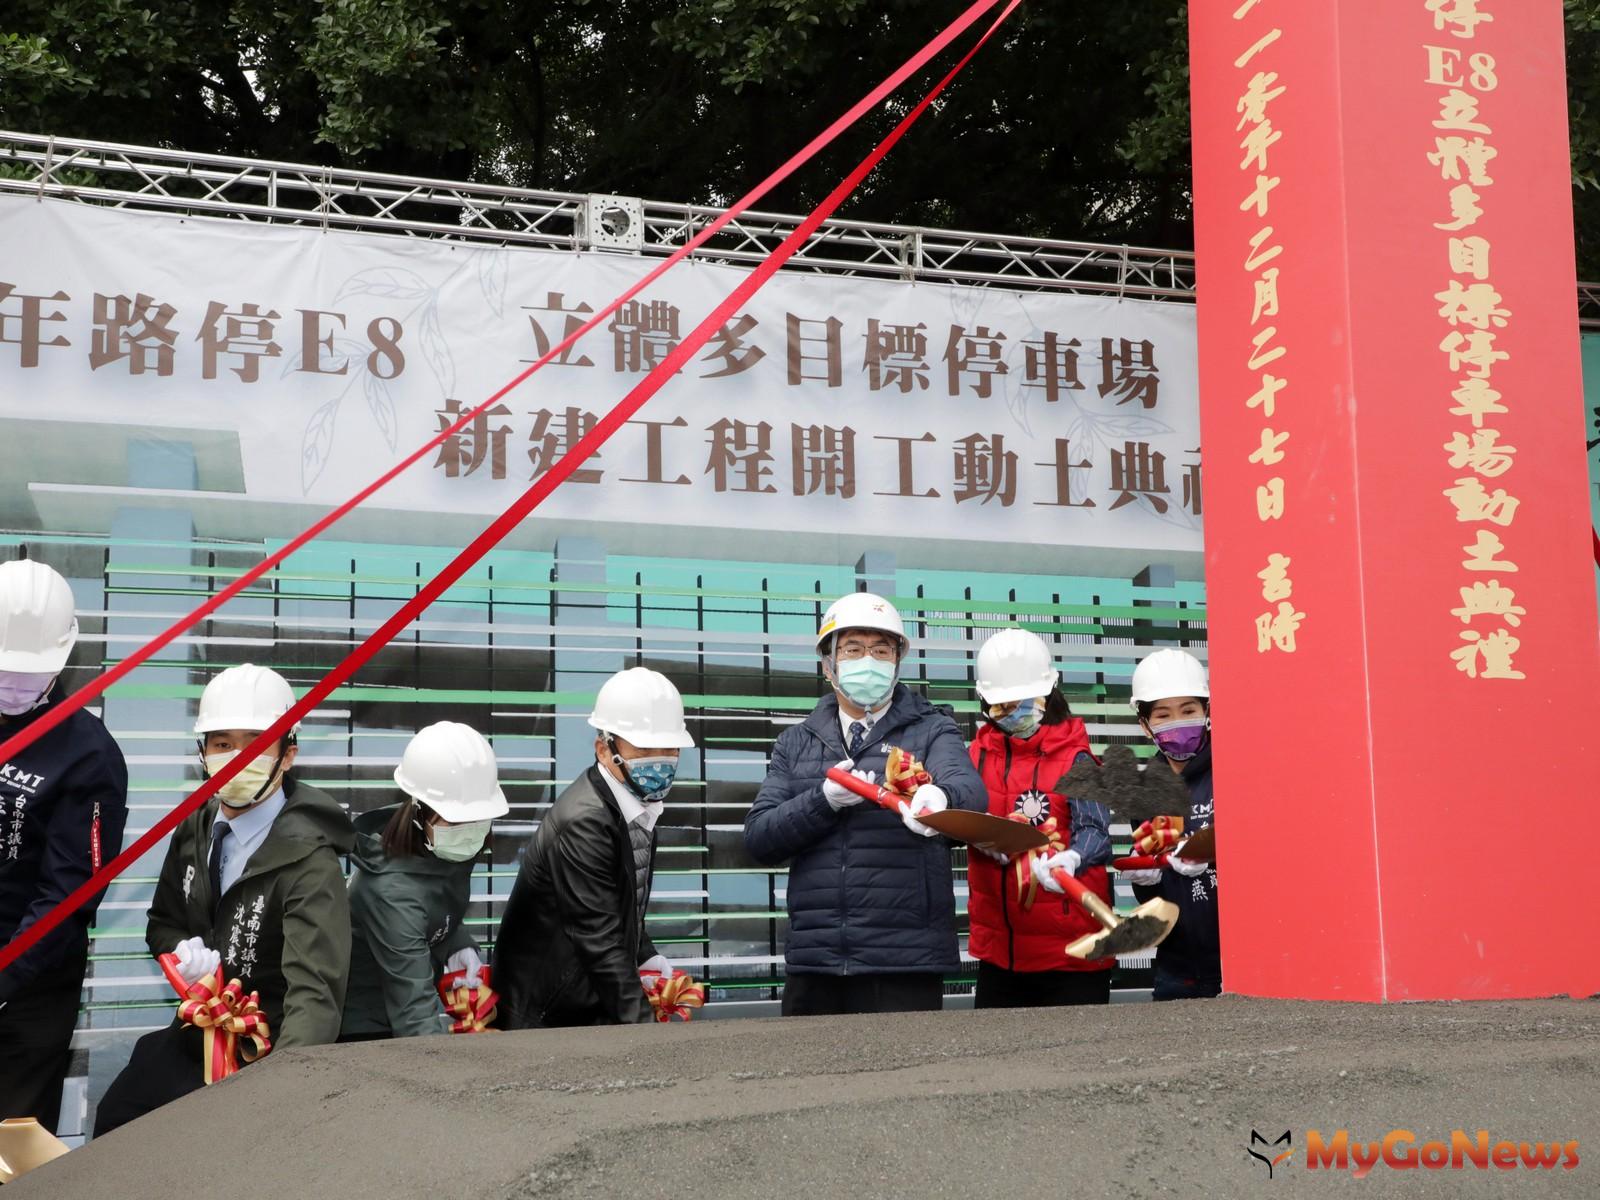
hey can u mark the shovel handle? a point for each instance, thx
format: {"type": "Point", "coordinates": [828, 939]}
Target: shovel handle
{"type": "Point", "coordinates": [1140, 862]}
{"type": "Point", "coordinates": [1087, 900]}
{"type": "Point", "coordinates": [870, 791]}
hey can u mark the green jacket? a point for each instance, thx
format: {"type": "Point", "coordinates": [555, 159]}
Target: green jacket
{"type": "Point", "coordinates": [283, 928]}
{"type": "Point", "coordinates": [406, 920]}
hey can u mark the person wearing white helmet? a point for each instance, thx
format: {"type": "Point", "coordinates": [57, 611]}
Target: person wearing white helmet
{"type": "Point", "coordinates": [63, 803]}
{"type": "Point", "coordinates": [572, 940]}
{"type": "Point", "coordinates": [1172, 696]}
{"type": "Point", "coordinates": [412, 883]}
{"type": "Point", "coordinates": [871, 895]}
{"type": "Point", "coordinates": [251, 884]}
{"type": "Point", "coordinates": [1027, 741]}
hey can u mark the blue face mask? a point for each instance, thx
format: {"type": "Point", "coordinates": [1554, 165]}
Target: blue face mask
{"type": "Point", "coordinates": [866, 681]}
{"type": "Point", "coordinates": [1023, 720]}
{"type": "Point", "coordinates": [651, 777]}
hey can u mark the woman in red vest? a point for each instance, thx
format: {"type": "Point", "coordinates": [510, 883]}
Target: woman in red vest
{"type": "Point", "coordinates": [1027, 741]}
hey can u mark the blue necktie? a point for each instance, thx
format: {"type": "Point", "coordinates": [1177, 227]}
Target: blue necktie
{"type": "Point", "coordinates": [858, 735]}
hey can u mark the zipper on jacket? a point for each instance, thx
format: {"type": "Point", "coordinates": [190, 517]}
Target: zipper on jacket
{"type": "Point", "coordinates": [844, 915]}
{"type": "Point", "coordinates": [1005, 891]}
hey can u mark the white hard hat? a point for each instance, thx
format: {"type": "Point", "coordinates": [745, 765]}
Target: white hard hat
{"type": "Point", "coordinates": [1167, 674]}
{"type": "Point", "coordinates": [244, 697]}
{"type": "Point", "coordinates": [1015, 665]}
{"type": "Point", "coordinates": [37, 624]}
{"type": "Point", "coordinates": [862, 610]}
{"type": "Point", "coordinates": [450, 767]}
{"type": "Point", "coordinates": [642, 707]}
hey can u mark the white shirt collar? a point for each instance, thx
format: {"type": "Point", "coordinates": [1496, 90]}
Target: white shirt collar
{"type": "Point", "coordinates": [869, 719]}
{"type": "Point", "coordinates": [252, 824]}
{"type": "Point", "coordinates": [633, 808]}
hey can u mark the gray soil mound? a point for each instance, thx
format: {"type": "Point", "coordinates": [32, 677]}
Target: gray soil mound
{"type": "Point", "coordinates": [1126, 1101]}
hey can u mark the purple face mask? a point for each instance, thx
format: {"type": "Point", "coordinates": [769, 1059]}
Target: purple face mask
{"type": "Point", "coordinates": [1182, 739]}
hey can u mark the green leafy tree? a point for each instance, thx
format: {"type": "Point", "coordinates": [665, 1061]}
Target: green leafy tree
{"type": "Point", "coordinates": [1074, 124]}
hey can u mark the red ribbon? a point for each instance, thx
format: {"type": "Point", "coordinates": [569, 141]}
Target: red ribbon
{"type": "Point", "coordinates": [502, 525]}
{"type": "Point", "coordinates": [231, 1021]}
{"type": "Point", "coordinates": [471, 1004]}
{"type": "Point", "coordinates": [903, 773]}
{"type": "Point", "coordinates": [1158, 834]}
{"type": "Point", "coordinates": [672, 996]}
{"type": "Point", "coordinates": [1027, 885]}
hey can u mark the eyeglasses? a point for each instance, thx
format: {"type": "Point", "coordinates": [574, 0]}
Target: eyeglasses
{"type": "Point", "coordinates": [851, 651]}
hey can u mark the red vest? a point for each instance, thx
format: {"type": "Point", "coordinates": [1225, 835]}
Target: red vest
{"type": "Point", "coordinates": [1020, 776]}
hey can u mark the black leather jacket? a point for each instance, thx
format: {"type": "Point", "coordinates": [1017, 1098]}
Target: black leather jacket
{"type": "Point", "coordinates": [571, 942]}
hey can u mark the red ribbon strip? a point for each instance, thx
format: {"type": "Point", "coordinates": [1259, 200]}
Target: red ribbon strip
{"type": "Point", "coordinates": [231, 1021]}
{"type": "Point", "coordinates": [1595, 533]}
{"type": "Point", "coordinates": [1027, 885]}
{"type": "Point", "coordinates": [38, 728]}
{"type": "Point", "coordinates": [672, 997]}
{"type": "Point", "coordinates": [502, 525]}
{"type": "Point", "coordinates": [471, 1004]}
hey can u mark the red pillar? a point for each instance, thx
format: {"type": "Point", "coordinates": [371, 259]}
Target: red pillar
{"type": "Point", "coordinates": [1401, 598]}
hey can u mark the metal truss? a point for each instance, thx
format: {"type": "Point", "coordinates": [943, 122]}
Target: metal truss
{"type": "Point", "coordinates": [155, 179]}
{"type": "Point", "coordinates": [174, 181]}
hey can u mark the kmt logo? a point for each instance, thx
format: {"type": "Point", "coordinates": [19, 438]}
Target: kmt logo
{"type": "Point", "coordinates": [1273, 1161]}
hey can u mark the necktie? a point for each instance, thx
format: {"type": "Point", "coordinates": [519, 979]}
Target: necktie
{"type": "Point", "coordinates": [858, 735]}
{"type": "Point", "coordinates": [219, 830]}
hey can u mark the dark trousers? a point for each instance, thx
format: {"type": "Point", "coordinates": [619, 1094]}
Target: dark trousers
{"type": "Point", "coordinates": [165, 1065]}
{"type": "Point", "coordinates": [1000, 988]}
{"type": "Point", "coordinates": [830, 995]}
{"type": "Point", "coordinates": [36, 1048]}
{"type": "Point", "coordinates": [1172, 985]}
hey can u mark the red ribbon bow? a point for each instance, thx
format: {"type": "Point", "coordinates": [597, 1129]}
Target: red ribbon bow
{"type": "Point", "coordinates": [903, 773]}
{"type": "Point", "coordinates": [1027, 885]}
{"type": "Point", "coordinates": [1157, 834]}
{"type": "Point", "coordinates": [672, 996]}
{"type": "Point", "coordinates": [231, 1021]}
{"type": "Point", "coordinates": [471, 1004]}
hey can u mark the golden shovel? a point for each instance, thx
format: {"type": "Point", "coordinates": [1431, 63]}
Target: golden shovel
{"type": "Point", "coordinates": [1137, 931]}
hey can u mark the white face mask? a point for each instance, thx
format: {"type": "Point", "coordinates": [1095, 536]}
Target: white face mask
{"type": "Point", "coordinates": [458, 843]}
{"type": "Point", "coordinates": [249, 786]}
{"type": "Point", "coordinates": [23, 691]}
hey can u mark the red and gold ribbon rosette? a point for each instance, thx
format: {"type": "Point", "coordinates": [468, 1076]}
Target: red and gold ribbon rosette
{"type": "Point", "coordinates": [231, 1022]}
{"type": "Point", "coordinates": [904, 774]}
{"type": "Point", "coordinates": [1022, 866]}
{"type": "Point", "coordinates": [472, 1005]}
{"type": "Point", "coordinates": [672, 996]}
{"type": "Point", "coordinates": [1158, 834]}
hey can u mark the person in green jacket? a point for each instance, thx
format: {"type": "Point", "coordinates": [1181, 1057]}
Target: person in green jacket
{"type": "Point", "coordinates": [252, 884]}
{"type": "Point", "coordinates": [411, 886]}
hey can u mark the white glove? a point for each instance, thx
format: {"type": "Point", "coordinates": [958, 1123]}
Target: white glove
{"type": "Point", "coordinates": [988, 850]}
{"type": "Point", "coordinates": [1145, 878]}
{"type": "Point", "coordinates": [196, 960]}
{"type": "Point", "coordinates": [1065, 860]}
{"type": "Point", "coordinates": [929, 799]}
{"type": "Point", "coordinates": [840, 796]}
{"type": "Point", "coordinates": [658, 963]}
{"type": "Point", "coordinates": [1182, 865]}
{"type": "Point", "coordinates": [465, 960]}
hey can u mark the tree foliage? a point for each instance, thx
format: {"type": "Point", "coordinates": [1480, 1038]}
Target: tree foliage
{"type": "Point", "coordinates": [1073, 125]}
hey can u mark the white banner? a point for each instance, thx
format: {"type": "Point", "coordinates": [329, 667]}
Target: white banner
{"type": "Point", "coordinates": [831, 403]}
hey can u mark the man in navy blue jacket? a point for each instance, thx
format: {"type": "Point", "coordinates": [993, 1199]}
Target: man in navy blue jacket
{"type": "Point", "coordinates": [63, 802]}
{"type": "Point", "coordinates": [871, 903]}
